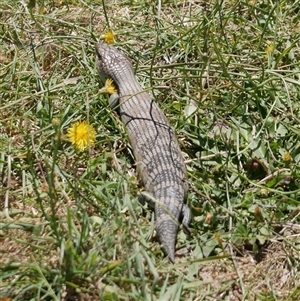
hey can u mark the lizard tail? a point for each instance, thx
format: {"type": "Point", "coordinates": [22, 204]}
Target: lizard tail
{"type": "Point", "coordinates": [167, 232]}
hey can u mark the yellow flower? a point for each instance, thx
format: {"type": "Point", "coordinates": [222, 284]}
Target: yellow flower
{"type": "Point", "coordinates": [109, 87]}
{"type": "Point", "coordinates": [269, 49]}
{"type": "Point", "coordinates": [109, 37]}
{"type": "Point", "coordinates": [81, 135]}
{"type": "Point", "coordinates": [287, 157]}
{"type": "Point", "coordinates": [55, 121]}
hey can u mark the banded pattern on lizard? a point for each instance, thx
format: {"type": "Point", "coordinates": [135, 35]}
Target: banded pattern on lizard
{"type": "Point", "coordinates": [156, 150]}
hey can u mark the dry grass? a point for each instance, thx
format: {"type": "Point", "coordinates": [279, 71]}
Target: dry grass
{"type": "Point", "coordinates": [227, 76]}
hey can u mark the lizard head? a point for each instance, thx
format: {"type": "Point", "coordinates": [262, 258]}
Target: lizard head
{"type": "Point", "coordinates": [111, 63]}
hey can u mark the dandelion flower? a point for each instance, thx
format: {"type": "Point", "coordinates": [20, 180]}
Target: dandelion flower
{"type": "Point", "coordinates": [55, 121]}
{"type": "Point", "coordinates": [287, 157]}
{"type": "Point", "coordinates": [109, 37]}
{"type": "Point", "coordinates": [108, 87]}
{"type": "Point", "coordinates": [269, 49]}
{"type": "Point", "coordinates": [82, 135]}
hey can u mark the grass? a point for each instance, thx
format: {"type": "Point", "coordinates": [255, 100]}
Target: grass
{"type": "Point", "coordinates": [226, 74]}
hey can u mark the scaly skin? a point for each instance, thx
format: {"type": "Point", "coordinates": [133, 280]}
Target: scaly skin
{"type": "Point", "coordinates": [155, 146]}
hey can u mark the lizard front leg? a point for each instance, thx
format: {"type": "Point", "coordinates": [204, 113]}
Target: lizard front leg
{"type": "Point", "coordinates": [114, 101]}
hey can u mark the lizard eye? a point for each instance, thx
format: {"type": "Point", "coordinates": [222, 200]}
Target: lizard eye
{"type": "Point", "coordinates": [98, 52]}
{"type": "Point", "coordinates": [98, 55]}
